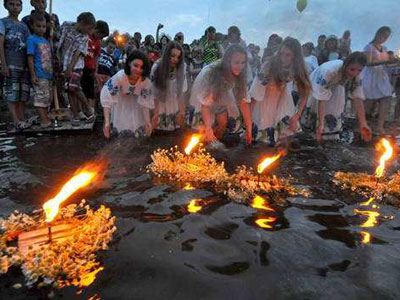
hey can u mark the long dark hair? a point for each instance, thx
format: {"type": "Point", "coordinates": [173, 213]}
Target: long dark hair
{"type": "Point", "coordinates": [358, 58]}
{"type": "Point", "coordinates": [300, 73]}
{"type": "Point", "coordinates": [221, 72]}
{"type": "Point", "coordinates": [380, 32]}
{"type": "Point", "coordinates": [162, 74]}
{"type": "Point", "coordinates": [137, 55]}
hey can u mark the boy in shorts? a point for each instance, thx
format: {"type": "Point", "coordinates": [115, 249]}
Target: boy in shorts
{"type": "Point", "coordinates": [40, 67]}
{"type": "Point", "coordinates": [13, 37]}
{"type": "Point", "coordinates": [72, 49]}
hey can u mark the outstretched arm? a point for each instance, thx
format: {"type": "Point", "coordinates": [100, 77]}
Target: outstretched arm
{"type": "Point", "coordinates": [366, 133]}
{"type": "Point", "coordinates": [246, 113]}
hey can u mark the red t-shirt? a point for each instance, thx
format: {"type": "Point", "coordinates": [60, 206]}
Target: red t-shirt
{"type": "Point", "coordinates": [94, 49]}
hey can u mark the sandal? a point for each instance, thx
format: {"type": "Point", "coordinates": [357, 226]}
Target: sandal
{"type": "Point", "coordinates": [21, 125]}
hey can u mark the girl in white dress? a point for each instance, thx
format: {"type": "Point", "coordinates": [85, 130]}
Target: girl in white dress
{"type": "Point", "coordinates": [274, 113]}
{"type": "Point", "coordinates": [375, 80]}
{"type": "Point", "coordinates": [332, 82]}
{"type": "Point", "coordinates": [129, 96]}
{"type": "Point", "coordinates": [220, 93]}
{"type": "Point", "coordinates": [169, 83]}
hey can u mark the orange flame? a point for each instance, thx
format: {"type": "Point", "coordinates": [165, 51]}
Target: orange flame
{"type": "Point", "coordinates": [193, 143]}
{"type": "Point", "coordinates": [83, 178]}
{"type": "Point", "coordinates": [366, 237]}
{"type": "Point", "coordinates": [267, 162]}
{"type": "Point", "coordinates": [265, 222]}
{"type": "Point", "coordinates": [385, 144]}
{"type": "Point", "coordinates": [193, 206]}
{"type": "Point", "coordinates": [260, 203]}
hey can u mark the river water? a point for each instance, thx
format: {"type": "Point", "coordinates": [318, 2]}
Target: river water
{"type": "Point", "coordinates": [313, 250]}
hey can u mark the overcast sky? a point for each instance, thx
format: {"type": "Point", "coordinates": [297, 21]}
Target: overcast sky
{"type": "Point", "coordinates": [257, 19]}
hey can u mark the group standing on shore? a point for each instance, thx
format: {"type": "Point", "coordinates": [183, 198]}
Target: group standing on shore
{"type": "Point", "coordinates": [218, 85]}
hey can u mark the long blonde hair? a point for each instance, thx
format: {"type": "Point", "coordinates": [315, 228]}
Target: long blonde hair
{"type": "Point", "coordinates": [221, 71]}
{"type": "Point", "coordinates": [278, 74]}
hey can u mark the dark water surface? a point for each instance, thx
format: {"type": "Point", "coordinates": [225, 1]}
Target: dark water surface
{"type": "Point", "coordinates": [314, 249]}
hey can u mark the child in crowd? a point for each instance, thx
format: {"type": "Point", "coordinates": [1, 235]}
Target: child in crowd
{"type": "Point", "coordinates": [40, 7]}
{"type": "Point", "coordinates": [107, 66]}
{"type": "Point", "coordinates": [129, 94]}
{"type": "Point", "coordinates": [170, 84]}
{"type": "Point", "coordinates": [274, 113]}
{"type": "Point", "coordinates": [13, 37]}
{"type": "Point", "coordinates": [40, 67]}
{"type": "Point", "coordinates": [90, 69]}
{"type": "Point", "coordinates": [72, 49]}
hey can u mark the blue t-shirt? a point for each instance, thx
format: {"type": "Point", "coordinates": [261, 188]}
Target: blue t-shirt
{"type": "Point", "coordinates": [15, 37]}
{"type": "Point", "coordinates": [40, 48]}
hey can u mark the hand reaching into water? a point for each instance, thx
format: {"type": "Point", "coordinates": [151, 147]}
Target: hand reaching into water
{"type": "Point", "coordinates": [366, 133]}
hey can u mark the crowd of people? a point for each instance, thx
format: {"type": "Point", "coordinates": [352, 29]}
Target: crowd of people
{"type": "Point", "coordinates": [217, 85]}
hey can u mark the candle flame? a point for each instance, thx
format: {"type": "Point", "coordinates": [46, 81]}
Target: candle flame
{"type": "Point", "coordinates": [193, 143]}
{"type": "Point", "coordinates": [267, 162]}
{"type": "Point", "coordinates": [368, 202]}
{"type": "Point", "coordinates": [265, 222]}
{"type": "Point", "coordinates": [83, 178]}
{"type": "Point", "coordinates": [372, 217]}
{"type": "Point", "coordinates": [384, 144]}
{"type": "Point", "coordinates": [194, 206]}
{"type": "Point", "coordinates": [260, 203]}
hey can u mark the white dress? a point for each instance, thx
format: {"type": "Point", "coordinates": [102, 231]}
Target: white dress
{"type": "Point", "coordinates": [311, 63]}
{"type": "Point", "coordinates": [375, 80]}
{"type": "Point", "coordinates": [168, 109]}
{"type": "Point", "coordinates": [127, 102]}
{"type": "Point", "coordinates": [202, 94]}
{"type": "Point", "coordinates": [273, 109]}
{"type": "Point", "coordinates": [328, 85]}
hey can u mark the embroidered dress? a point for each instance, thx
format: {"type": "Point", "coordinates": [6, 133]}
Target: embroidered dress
{"type": "Point", "coordinates": [328, 85]}
{"type": "Point", "coordinates": [274, 107]}
{"type": "Point", "coordinates": [202, 94]}
{"type": "Point", "coordinates": [168, 109]}
{"type": "Point", "coordinates": [127, 102]}
{"type": "Point", "coordinates": [375, 80]}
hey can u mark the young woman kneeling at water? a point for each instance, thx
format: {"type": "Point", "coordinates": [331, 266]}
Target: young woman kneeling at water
{"type": "Point", "coordinates": [127, 98]}
{"type": "Point", "coordinates": [220, 93]}
{"type": "Point", "coordinates": [274, 113]}
{"type": "Point", "coordinates": [332, 83]}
